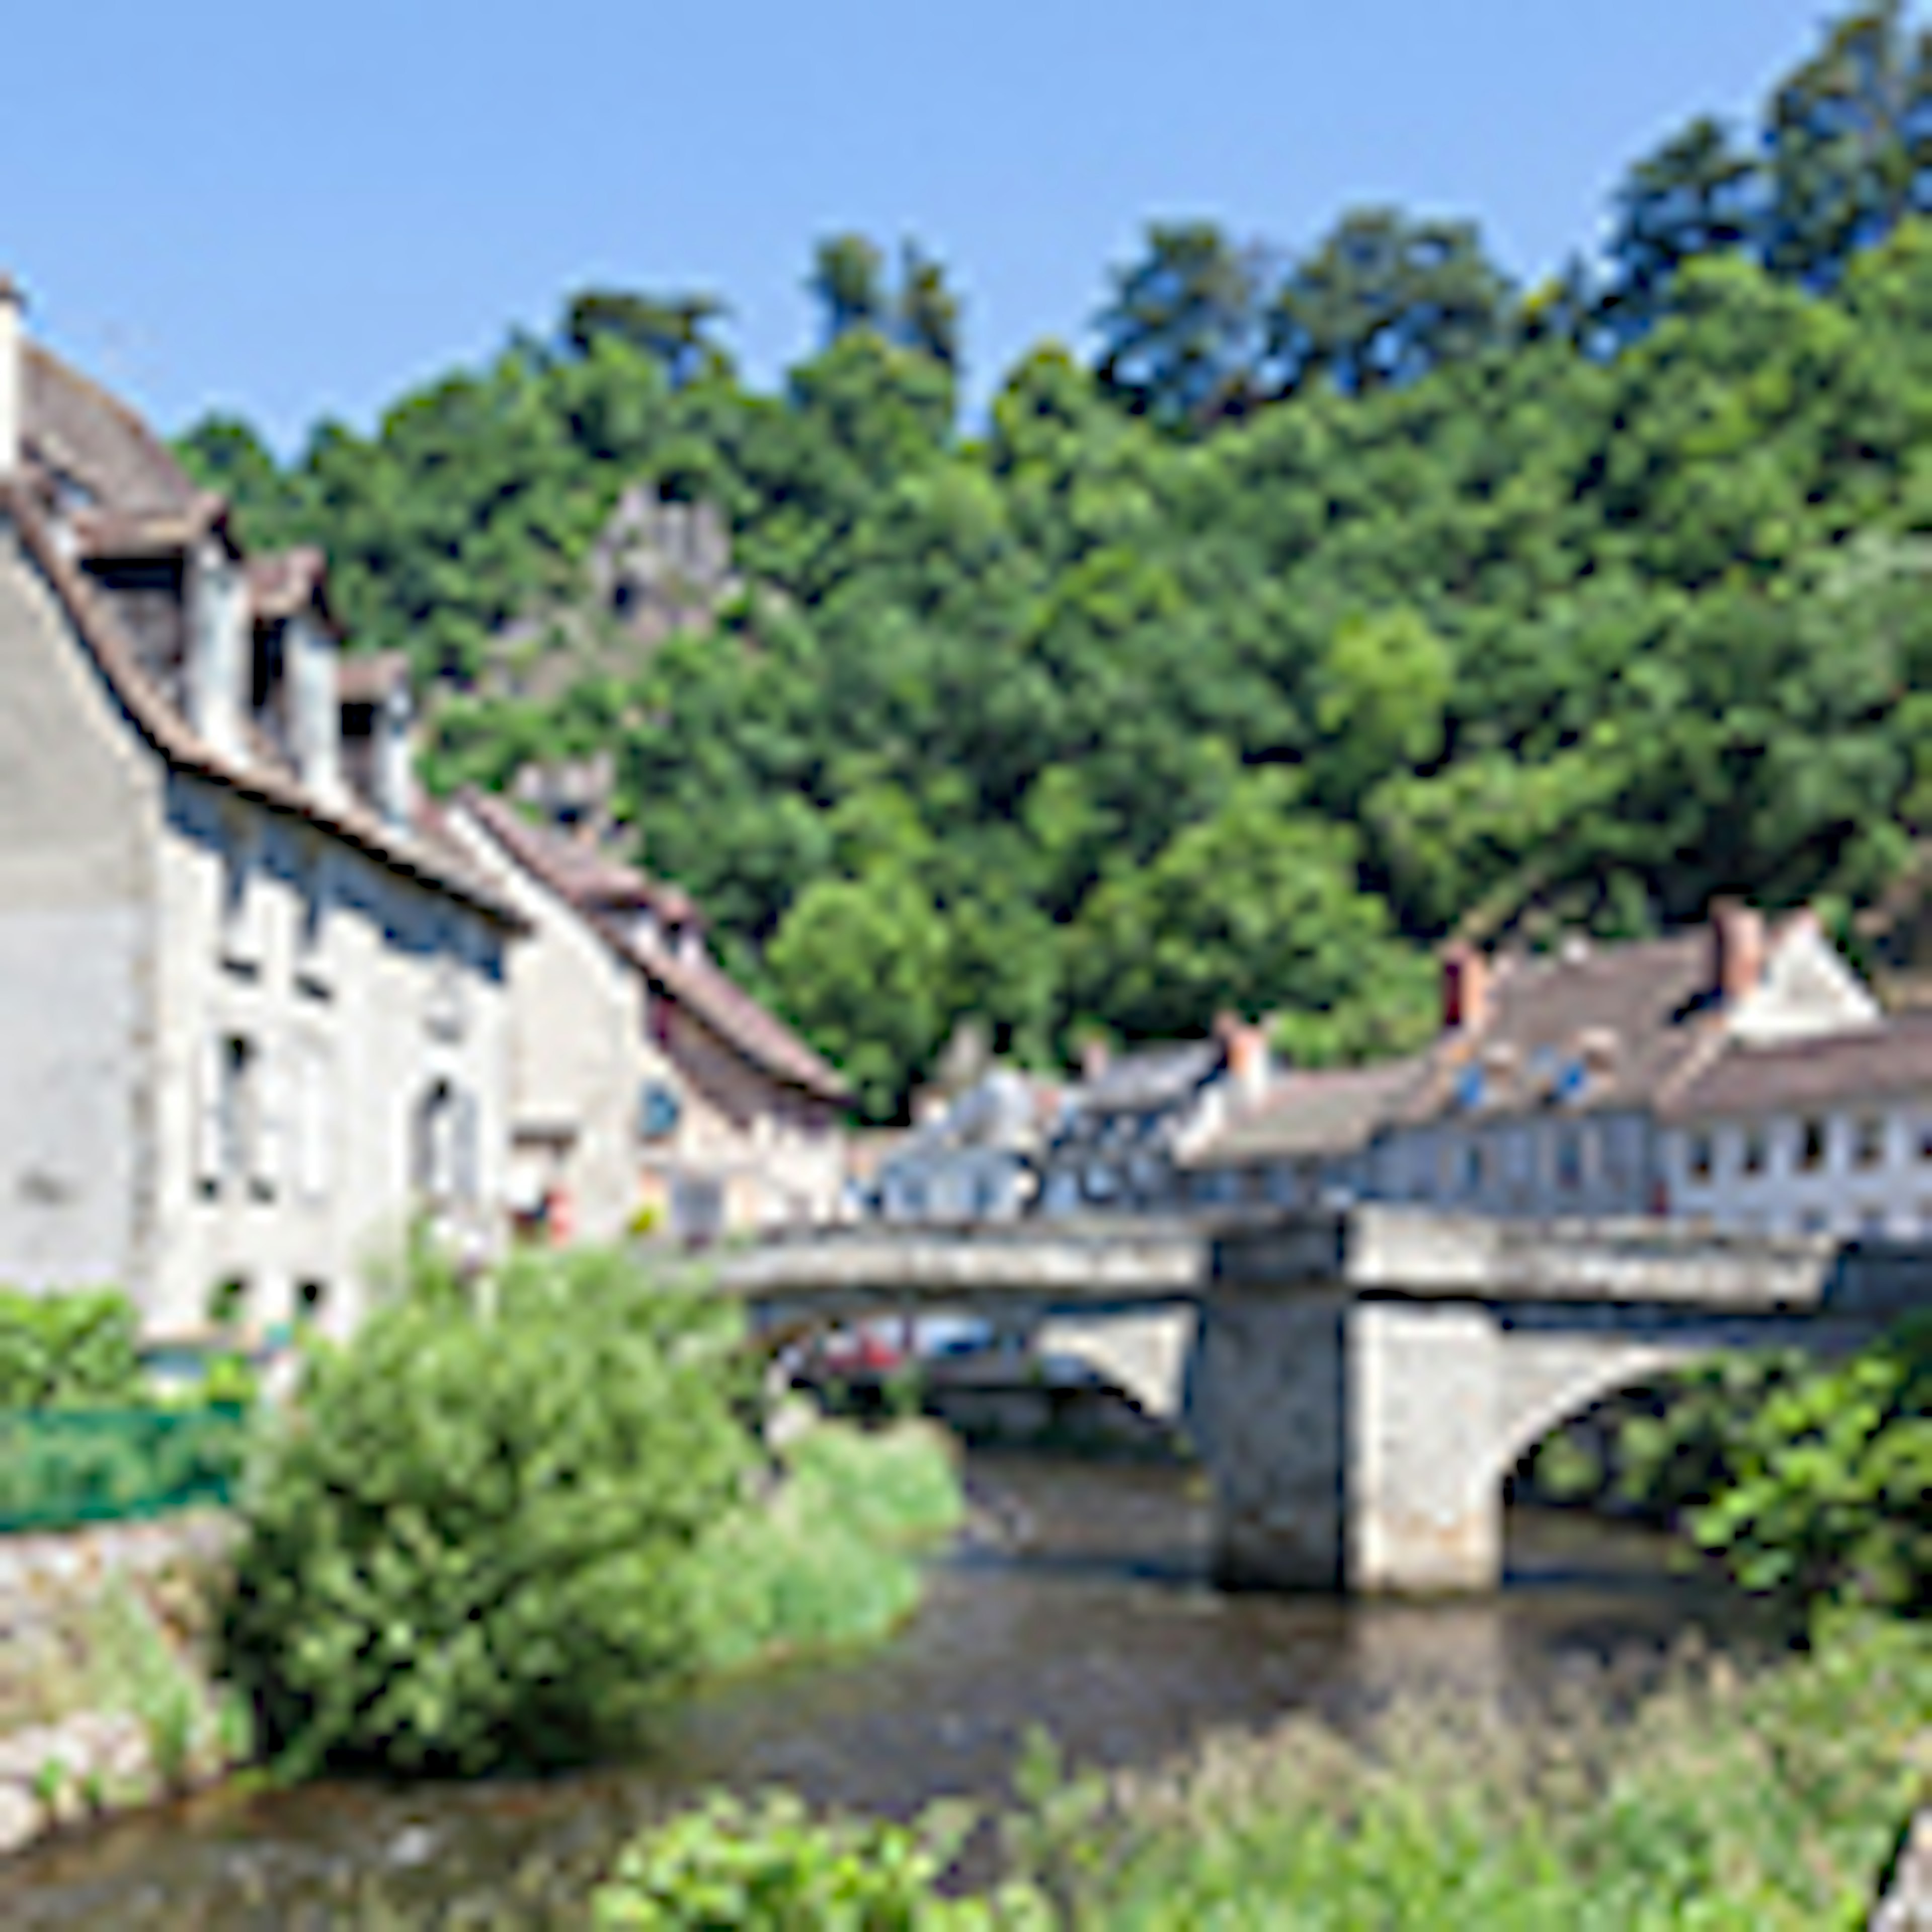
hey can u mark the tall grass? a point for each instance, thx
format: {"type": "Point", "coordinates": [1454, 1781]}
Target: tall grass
{"type": "Point", "coordinates": [1770, 1804]}
{"type": "Point", "coordinates": [825, 1562]}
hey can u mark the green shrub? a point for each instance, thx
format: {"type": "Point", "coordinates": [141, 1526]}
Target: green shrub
{"type": "Point", "coordinates": [75, 1349]}
{"type": "Point", "coordinates": [772, 1868]}
{"type": "Point", "coordinates": [468, 1544]}
{"type": "Point", "coordinates": [1827, 1488]}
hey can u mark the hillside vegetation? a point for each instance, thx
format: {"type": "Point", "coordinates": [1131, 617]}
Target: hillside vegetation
{"type": "Point", "coordinates": [1341, 598]}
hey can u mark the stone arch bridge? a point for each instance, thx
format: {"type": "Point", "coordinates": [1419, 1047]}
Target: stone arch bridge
{"type": "Point", "coordinates": [1359, 1382]}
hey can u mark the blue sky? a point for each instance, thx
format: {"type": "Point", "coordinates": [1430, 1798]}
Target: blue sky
{"type": "Point", "coordinates": [292, 210]}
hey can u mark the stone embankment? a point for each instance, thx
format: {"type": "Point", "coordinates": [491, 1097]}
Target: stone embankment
{"type": "Point", "coordinates": [105, 1701]}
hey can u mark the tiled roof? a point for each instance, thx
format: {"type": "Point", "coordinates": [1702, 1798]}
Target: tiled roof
{"type": "Point", "coordinates": [589, 877]}
{"type": "Point", "coordinates": [1156, 1076]}
{"type": "Point", "coordinates": [1332, 1110]}
{"type": "Point", "coordinates": [1893, 1058]}
{"type": "Point", "coordinates": [282, 582]}
{"type": "Point", "coordinates": [424, 856]}
{"type": "Point", "coordinates": [368, 677]}
{"type": "Point", "coordinates": [72, 426]}
{"type": "Point", "coordinates": [1637, 1011]}
{"type": "Point", "coordinates": [602, 889]}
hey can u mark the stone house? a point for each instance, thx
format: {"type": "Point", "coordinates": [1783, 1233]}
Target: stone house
{"type": "Point", "coordinates": [975, 1158]}
{"type": "Point", "coordinates": [1310, 1142]}
{"type": "Point", "coordinates": [1559, 1084]}
{"type": "Point", "coordinates": [1831, 1135]}
{"type": "Point", "coordinates": [1129, 1121]}
{"type": "Point", "coordinates": [253, 1015]}
{"type": "Point", "coordinates": [643, 1077]}
{"type": "Point", "coordinates": [1543, 1093]}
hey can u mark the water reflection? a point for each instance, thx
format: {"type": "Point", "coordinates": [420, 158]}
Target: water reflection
{"type": "Point", "coordinates": [1079, 1601]}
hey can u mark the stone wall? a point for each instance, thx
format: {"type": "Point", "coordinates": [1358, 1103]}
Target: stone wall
{"type": "Point", "coordinates": [105, 1698]}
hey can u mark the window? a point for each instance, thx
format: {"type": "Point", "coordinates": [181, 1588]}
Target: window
{"type": "Point", "coordinates": [311, 1300]}
{"type": "Point", "coordinates": [1813, 1221]}
{"type": "Point", "coordinates": [1868, 1141]}
{"type": "Point", "coordinates": [1925, 1140]}
{"type": "Point", "coordinates": [1474, 1168]}
{"type": "Point", "coordinates": [1569, 1161]}
{"type": "Point", "coordinates": [228, 1302]}
{"type": "Point", "coordinates": [445, 1135]}
{"type": "Point", "coordinates": [1812, 1142]}
{"type": "Point", "coordinates": [241, 902]}
{"type": "Point", "coordinates": [1754, 1154]}
{"type": "Point", "coordinates": [1700, 1158]}
{"type": "Point", "coordinates": [1872, 1222]}
{"type": "Point", "coordinates": [315, 1122]}
{"type": "Point", "coordinates": [230, 1113]}
{"type": "Point", "coordinates": [312, 960]}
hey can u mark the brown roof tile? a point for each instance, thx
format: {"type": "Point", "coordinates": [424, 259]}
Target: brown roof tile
{"type": "Point", "coordinates": [1644, 1006]}
{"type": "Point", "coordinates": [368, 677]}
{"type": "Point", "coordinates": [602, 889]}
{"type": "Point", "coordinates": [72, 425]}
{"type": "Point", "coordinates": [1893, 1057]}
{"type": "Point", "coordinates": [1329, 1111]}
{"type": "Point", "coordinates": [282, 582]}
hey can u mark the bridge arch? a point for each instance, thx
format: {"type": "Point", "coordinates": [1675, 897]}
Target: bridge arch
{"type": "Point", "coordinates": [1548, 1380]}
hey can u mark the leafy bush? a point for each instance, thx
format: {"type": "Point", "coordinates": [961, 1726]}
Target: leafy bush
{"type": "Point", "coordinates": [63, 1350]}
{"type": "Point", "coordinates": [771, 1868]}
{"type": "Point", "coordinates": [1828, 1487]}
{"type": "Point", "coordinates": [468, 1544]}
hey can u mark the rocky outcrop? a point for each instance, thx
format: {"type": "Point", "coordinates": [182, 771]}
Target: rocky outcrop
{"type": "Point", "coordinates": [1907, 1904]}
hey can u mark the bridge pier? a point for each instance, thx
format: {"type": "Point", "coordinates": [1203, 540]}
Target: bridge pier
{"type": "Point", "coordinates": [1347, 1442]}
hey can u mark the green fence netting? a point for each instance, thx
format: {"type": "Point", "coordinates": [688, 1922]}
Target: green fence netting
{"type": "Point", "coordinates": [62, 1467]}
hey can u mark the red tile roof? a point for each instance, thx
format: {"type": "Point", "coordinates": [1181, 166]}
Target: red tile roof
{"type": "Point", "coordinates": [602, 890]}
{"type": "Point", "coordinates": [282, 582]}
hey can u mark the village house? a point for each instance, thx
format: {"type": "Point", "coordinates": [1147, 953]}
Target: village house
{"type": "Point", "coordinates": [647, 1087]}
{"type": "Point", "coordinates": [1131, 1121]}
{"type": "Point", "coordinates": [254, 1010]}
{"type": "Point", "coordinates": [1741, 1073]}
{"type": "Point", "coordinates": [975, 1157]}
{"type": "Point", "coordinates": [1308, 1142]}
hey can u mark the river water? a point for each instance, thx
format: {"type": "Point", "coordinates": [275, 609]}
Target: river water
{"type": "Point", "coordinates": [1077, 1601]}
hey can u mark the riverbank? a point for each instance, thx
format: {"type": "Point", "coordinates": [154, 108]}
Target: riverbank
{"type": "Point", "coordinates": [1076, 1599]}
{"type": "Point", "coordinates": [108, 1698]}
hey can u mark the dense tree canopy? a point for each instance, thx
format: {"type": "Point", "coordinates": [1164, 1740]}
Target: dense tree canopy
{"type": "Point", "coordinates": [1345, 600]}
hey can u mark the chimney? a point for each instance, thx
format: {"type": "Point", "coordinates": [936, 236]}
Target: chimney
{"type": "Point", "coordinates": [12, 384]}
{"type": "Point", "coordinates": [395, 766]}
{"type": "Point", "coordinates": [1094, 1056]}
{"type": "Point", "coordinates": [1247, 1050]}
{"type": "Point", "coordinates": [1737, 950]}
{"type": "Point", "coordinates": [318, 709]}
{"type": "Point", "coordinates": [1465, 988]}
{"type": "Point", "coordinates": [218, 641]}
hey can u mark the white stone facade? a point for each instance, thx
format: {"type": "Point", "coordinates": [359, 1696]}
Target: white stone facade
{"type": "Point", "coordinates": [250, 1025]}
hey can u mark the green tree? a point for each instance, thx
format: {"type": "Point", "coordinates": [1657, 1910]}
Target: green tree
{"type": "Point", "coordinates": [848, 278]}
{"type": "Point", "coordinates": [1384, 300]}
{"type": "Point", "coordinates": [1181, 336]}
{"type": "Point", "coordinates": [674, 331]}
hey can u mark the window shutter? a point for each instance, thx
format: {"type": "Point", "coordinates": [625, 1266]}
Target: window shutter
{"type": "Point", "coordinates": [210, 1136]}
{"type": "Point", "coordinates": [466, 1177]}
{"type": "Point", "coordinates": [271, 1120]}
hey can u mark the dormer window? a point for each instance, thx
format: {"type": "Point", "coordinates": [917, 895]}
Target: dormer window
{"type": "Point", "coordinates": [269, 709]}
